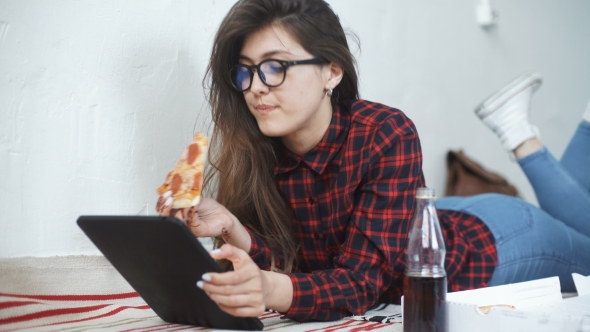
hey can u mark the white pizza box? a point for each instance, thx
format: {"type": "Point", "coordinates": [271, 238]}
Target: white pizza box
{"type": "Point", "coordinates": [538, 306]}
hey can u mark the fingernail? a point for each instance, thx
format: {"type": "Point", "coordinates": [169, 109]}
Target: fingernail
{"type": "Point", "coordinates": [215, 251]}
{"type": "Point", "coordinates": [200, 284]}
{"type": "Point", "coordinates": [206, 277]}
{"type": "Point", "coordinates": [169, 201]}
{"type": "Point", "coordinates": [167, 194]}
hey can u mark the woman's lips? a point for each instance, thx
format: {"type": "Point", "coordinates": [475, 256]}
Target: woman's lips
{"type": "Point", "coordinates": [264, 109]}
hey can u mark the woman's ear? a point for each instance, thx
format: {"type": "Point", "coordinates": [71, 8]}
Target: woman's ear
{"type": "Point", "coordinates": [335, 75]}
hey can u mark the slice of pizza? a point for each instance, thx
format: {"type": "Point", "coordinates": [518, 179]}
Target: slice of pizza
{"type": "Point", "coordinates": [186, 178]}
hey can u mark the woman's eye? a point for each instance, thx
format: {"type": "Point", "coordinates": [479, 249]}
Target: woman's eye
{"type": "Point", "coordinates": [276, 68]}
{"type": "Point", "coordinates": [272, 67]}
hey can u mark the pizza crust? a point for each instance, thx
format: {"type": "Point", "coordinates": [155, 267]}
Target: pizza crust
{"type": "Point", "coordinates": [186, 178]}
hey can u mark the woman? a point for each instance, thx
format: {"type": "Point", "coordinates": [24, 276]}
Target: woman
{"type": "Point", "coordinates": [314, 188]}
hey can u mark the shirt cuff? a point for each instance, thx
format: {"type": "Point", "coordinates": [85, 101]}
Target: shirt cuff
{"type": "Point", "coordinates": [304, 306]}
{"type": "Point", "coordinates": [259, 252]}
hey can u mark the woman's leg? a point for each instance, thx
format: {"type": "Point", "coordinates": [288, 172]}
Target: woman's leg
{"type": "Point", "coordinates": [576, 158]}
{"type": "Point", "coordinates": [530, 243]}
{"type": "Point", "coordinates": [558, 193]}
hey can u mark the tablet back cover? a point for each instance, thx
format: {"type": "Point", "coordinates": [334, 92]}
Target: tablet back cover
{"type": "Point", "coordinates": [162, 260]}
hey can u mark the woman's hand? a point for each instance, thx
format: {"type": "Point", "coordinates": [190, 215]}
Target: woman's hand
{"type": "Point", "coordinates": [164, 206]}
{"type": "Point", "coordinates": [208, 219]}
{"type": "Point", "coordinates": [246, 291]}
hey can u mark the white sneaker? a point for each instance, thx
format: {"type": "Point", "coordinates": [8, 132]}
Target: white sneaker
{"type": "Point", "coordinates": [506, 111]}
{"type": "Point", "coordinates": [586, 115]}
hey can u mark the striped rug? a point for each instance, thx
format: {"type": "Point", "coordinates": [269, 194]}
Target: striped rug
{"type": "Point", "coordinates": [84, 293]}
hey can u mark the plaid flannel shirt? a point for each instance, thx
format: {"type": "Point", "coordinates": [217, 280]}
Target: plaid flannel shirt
{"type": "Point", "coordinates": [353, 198]}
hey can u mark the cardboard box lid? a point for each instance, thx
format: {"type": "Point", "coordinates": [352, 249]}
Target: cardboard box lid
{"type": "Point", "coordinates": [582, 284]}
{"type": "Point", "coordinates": [538, 306]}
{"type": "Point", "coordinates": [520, 295]}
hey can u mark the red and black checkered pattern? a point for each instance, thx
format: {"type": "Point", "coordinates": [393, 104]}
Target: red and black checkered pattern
{"type": "Point", "coordinates": [353, 198]}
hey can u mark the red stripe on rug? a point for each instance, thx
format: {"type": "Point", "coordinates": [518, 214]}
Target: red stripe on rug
{"type": "Point", "coordinates": [193, 328]}
{"type": "Point", "coordinates": [333, 327]}
{"type": "Point", "coordinates": [163, 328]}
{"type": "Point", "coordinates": [267, 313]}
{"type": "Point", "coordinates": [374, 326]}
{"type": "Point", "coordinates": [332, 330]}
{"type": "Point", "coordinates": [263, 317]}
{"type": "Point", "coordinates": [173, 327]}
{"type": "Point", "coordinates": [110, 313]}
{"type": "Point", "coordinates": [49, 313]}
{"type": "Point", "coordinates": [89, 297]}
{"type": "Point", "coordinates": [167, 327]}
{"type": "Point", "coordinates": [13, 304]}
{"type": "Point", "coordinates": [147, 327]}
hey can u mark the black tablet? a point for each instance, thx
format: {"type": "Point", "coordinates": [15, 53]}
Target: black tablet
{"type": "Point", "coordinates": [162, 260]}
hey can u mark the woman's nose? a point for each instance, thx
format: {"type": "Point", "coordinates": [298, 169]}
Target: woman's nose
{"type": "Point", "coordinates": [258, 86]}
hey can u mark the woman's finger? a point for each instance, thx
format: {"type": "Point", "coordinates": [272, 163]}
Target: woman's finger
{"type": "Point", "coordinates": [222, 287]}
{"type": "Point", "coordinates": [250, 311]}
{"type": "Point", "coordinates": [192, 217]}
{"type": "Point", "coordinates": [179, 214]}
{"type": "Point", "coordinates": [238, 300]}
{"type": "Point", "coordinates": [237, 256]}
{"type": "Point", "coordinates": [230, 278]}
{"type": "Point", "coordinates": [164, 204]}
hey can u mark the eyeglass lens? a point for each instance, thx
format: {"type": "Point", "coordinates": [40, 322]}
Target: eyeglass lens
{"type": "Point", "coordinates": [271, 73]}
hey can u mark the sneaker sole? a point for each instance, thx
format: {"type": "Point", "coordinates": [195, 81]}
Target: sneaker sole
{"type": "Point", "coordinates": [514, 87]}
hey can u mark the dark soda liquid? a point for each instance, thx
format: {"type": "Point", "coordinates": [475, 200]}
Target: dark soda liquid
{"type": "Point", "coordinates": [425, 307]}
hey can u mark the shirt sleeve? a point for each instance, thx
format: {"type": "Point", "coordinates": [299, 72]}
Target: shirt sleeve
{"type": "Point", "coordinates": [456, 247]}
{"type": "Point", "coordinates": [259, 251]}
{"type": "Point", "coordinates": [376, 234]}
{"type": "Point", "coordinates": [471, 251]}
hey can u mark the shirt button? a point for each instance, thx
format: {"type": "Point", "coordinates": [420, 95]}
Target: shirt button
{"type": "Point", "coordinates": [316, 236]}
{"type": "Point", "coordinates": [311, 201]}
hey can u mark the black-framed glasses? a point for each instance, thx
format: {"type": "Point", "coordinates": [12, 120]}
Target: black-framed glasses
{"type": "Point", "coordinates": [272, 72]}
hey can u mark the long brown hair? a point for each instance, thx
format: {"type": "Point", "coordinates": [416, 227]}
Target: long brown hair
{"type": "Point", "coordinates": [241, 158]}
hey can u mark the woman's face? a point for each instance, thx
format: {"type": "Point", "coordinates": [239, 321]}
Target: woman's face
{"type": "Point", "coordinates": [299, 106]}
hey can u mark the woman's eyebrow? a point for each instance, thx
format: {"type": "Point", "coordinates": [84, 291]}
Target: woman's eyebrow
{"type": "Point", "coordinates": [266, 54]}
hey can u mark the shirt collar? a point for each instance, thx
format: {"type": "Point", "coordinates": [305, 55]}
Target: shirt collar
{"type": "Point", "coordinates": [320, 156]}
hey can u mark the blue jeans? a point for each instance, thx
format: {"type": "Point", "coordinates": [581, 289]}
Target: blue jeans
{"type": "Point", "coordinates": [553, 240]}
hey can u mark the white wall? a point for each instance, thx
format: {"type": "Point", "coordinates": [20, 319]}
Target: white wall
{"type": "Point", "coordinates": [99, 98]}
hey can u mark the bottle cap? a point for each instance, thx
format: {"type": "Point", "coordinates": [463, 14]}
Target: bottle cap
{"type": "Point", "coordinates": [425, 193]}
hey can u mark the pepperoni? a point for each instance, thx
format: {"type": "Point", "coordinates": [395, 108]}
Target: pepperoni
{"type": "Point", "coordinates": [193, 153]}
{"type": "Point", "coordinates": [197, 181]}
{"type": "Point", "coordinates": [176, 183]}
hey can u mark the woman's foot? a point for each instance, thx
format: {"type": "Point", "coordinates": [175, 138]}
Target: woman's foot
{"type": "Point", "coordinates": [506, 111]}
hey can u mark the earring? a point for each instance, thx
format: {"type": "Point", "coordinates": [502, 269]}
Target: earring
{"type": "Point", "coordinates": [329, 93]}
